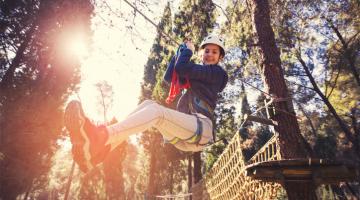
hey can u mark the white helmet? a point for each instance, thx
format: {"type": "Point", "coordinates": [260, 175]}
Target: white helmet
{"type": "Point", "coordinates": [213, 39]}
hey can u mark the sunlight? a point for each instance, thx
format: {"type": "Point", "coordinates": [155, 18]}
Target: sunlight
{"type": "Point", "coordinates": [75, 45]}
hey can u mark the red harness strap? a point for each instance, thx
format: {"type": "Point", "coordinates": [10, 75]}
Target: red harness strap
{"type": "Point", "coordinates": [176, 87]}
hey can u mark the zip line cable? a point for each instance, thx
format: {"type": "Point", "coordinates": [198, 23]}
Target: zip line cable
{"type": "Point", "coordinates": [153, 23]}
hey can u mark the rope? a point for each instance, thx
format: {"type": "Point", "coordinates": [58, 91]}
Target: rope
{"type": "Point", "coordinates": [256, 88]}
{"type": "Point", "coordinates": [274, 99]}
{"type": "Point", "coordinates": [153, 23]}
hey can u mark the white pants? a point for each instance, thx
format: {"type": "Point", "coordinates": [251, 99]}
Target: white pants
{"type": "Point", "coordinates": [169, 122]}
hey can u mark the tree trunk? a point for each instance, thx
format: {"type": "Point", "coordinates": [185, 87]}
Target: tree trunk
{"type": "Point", "coordinates": [27, 193]}
{"type": "Point", "coordinates": [113, 173]}
{"type": "Point", "coordinates": [68, 185]}
{"type": "Point", "coordinates": [197, 167]}
{"type": "Point", "coordinates": [290, 140]}
{"type": "Point", "coordinates": [152, 185]}
{"type": "Point", "coordinates": [274, 82]}
{"type": "Point", "coordinates": [190, 177]}
{"type": "Point", "coordinates": [300, 190]}
{"type": "Point", "coordinates": [171, 184]}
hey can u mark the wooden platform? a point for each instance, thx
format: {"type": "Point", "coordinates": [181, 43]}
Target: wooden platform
{"type": "Point", "coordinates": [319, 171]}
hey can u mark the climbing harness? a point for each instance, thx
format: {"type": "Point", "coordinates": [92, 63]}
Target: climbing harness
{"type": "Point", "coordinates": [194, 139]}
{"type": "Point", "coordinates": [197, 104]}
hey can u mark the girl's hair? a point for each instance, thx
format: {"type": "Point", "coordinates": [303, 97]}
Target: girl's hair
{"type": "Point", "coordinates": [222, 52]}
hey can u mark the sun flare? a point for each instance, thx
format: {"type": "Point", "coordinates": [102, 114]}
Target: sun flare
{"type": "Point", "coordinates": [77, 46]}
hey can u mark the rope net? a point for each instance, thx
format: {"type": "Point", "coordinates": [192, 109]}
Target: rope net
{"type": "Point", "coordinates": [227, 179]}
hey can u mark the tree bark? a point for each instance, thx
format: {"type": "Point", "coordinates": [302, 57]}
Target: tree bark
{"type": "Point", "coordinates": [274, 82]}
{"type": "Point", "coordinates": [300, 190]}
{"type": "Point", "coordinates": [290, 140]}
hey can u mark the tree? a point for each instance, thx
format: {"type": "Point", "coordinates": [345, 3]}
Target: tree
{"type": "Point", "coordinates": [106, 98]}
{"type": "Point", "coordinates": [37, 75]}
{"type": "Point", "coordinates": [112, 170]}
{"type": "Point", "coordinates": [272, 74]}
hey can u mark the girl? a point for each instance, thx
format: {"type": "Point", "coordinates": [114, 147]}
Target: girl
{"type": "Point", "coordinates": [189, 127]}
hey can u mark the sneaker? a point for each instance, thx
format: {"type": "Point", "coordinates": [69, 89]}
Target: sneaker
{"type": "Point", "coordinates": [89, 146]}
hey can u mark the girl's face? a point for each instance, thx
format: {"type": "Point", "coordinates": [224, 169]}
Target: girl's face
{"type": "Point", "coordinates": [211, 54]}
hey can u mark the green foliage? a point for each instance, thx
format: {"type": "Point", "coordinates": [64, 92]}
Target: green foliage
{"type": "Point", "coordinates": [159, 54]}
{"type": "Point", "coordinates": [195, 20]}
{"type": "Point", "coordinates": [225, 127]}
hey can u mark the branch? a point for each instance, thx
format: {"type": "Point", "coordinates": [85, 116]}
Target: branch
{"type": "Point", "coordinates": [347, 52]}
{"type": "Point", "coordinates": [355, 124]}
{"type": "Point", "coordinates": [223, 11]}
{"type": "Point", "coordinates": [353, 37]}
{"type": "Point", "coordinates": [326, 74]}
{"type": "Point", "coordinates": [336, 78]}
{"type": "Point", "coordinates": [332, 110]}
{"type": "Point", "coordinates": [6, 55]}
{"type": "Point", "coordinates": [9, 74]}
{"type": "Point", "coordinates": [293, 83]}
{"type": "Point", "coordinates": [314, 131]}
{"type": "Point", "coordinates": [153, 23]}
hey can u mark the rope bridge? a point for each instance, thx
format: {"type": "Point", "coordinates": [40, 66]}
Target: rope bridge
{"type": "Point", "coordinates": [228, 180]}
{"type": "Point", "coordinates": [262, 176]}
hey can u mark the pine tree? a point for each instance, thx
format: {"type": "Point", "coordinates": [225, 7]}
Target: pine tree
{"type": "Point", "coordinates": [35, 83]}
{"type": "Point", "coordinates": [195, 20]}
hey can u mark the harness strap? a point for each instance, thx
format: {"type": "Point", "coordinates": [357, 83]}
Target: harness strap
{"type": "Point", "coordinates": [200, 105]}
{"type": "Point", "coordinates": [205, 107]}
{"type": "Point", "coordinates": [194, 139]}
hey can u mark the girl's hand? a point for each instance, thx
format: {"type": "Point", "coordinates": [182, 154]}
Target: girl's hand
{"type": "Point", "coordinates": [190, 45]}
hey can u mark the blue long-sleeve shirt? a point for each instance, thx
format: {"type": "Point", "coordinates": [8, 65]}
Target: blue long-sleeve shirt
{"type": "Point", "coordinates": [206, 80]}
